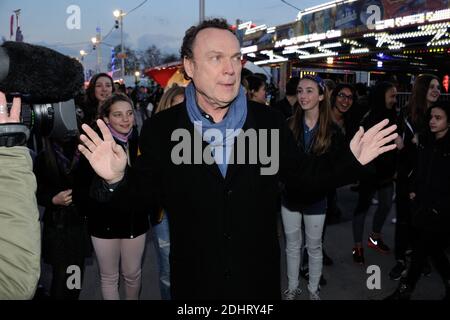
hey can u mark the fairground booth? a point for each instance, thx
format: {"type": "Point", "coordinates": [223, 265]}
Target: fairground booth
{"type": "Point", "coordinates": [356, 41]}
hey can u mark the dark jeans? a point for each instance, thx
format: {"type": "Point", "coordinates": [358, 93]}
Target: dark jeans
{"type": "Point", "coordinates": [161, 238]}
{"type": "Point", "coordinates": [403, 224]}
{"type": "Point", "coordinates": [430, 241]}
{"type": "Point", "coordinates": [366, 193]}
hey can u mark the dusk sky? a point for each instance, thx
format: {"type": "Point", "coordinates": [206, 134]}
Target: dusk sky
{"type": "Point", "coordinates": [158, 22]}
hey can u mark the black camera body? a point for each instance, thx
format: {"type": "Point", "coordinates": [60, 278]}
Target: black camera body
{"type": "Point", "coordinates": [13, 134]}
{"type": "Point", "coordinates": [54, 120]}
{"type": "Point", "coordinates": [46, 81]}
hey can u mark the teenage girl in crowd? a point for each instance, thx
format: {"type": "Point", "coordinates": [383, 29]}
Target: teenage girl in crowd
{"type": "Point", "coordinates": [316, 135]}
{"type": "Point", "coordinates": [426, 91]}
{"type": "Point", "coordinates": [430, 193]}
{"type": "Point", "coordinates": [118, 236]}
{"type": "Point", "coordinates": [342, 100]}
{"type": "Point", "coordinates": [256, 89]}
{"type": "Point", "coordinates": [383, 100]}
{"type": "Point", "coordinates": [333, 212]}
{"type": "Point", "coordinates": [99, 89]}
{"type": "Point", "coordinates": [65, 241]}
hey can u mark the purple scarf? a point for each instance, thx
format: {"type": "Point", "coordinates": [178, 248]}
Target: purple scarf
{"type": "Point", "coordinates": [119, 136]}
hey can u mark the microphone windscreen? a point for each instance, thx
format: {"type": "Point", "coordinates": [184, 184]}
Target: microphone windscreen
{"type": "Point", "coordinates": [40, 74]}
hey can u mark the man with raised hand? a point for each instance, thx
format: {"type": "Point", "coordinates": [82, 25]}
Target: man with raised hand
{"type": "Point", "coordinates": [223, 213]}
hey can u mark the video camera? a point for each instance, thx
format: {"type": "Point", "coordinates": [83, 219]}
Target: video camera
{"type": "Point", "coordinates": [55, 120]}
{"type": "Point", "coordinates": [47, 82]}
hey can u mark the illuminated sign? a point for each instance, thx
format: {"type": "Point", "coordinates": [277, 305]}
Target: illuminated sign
{"type": "Point", "coordinates": [250, 49]}
{"type": "Point", "coordinates": [273, 58]}
{"type": "Point", "coordinates": [308, 38]}
{"type": "Point", "coordinates": [318, 55]}
{"type": "Point", "coordinates": [419, 18]}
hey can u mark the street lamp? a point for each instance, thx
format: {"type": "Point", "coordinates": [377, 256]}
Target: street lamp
{"type": "Point", "coordinates": [119, 14]}
{"type": "Point", "coordinates": [97, 41]}
{"type": "Point", "coordinates": [116, 13]}
{"type": "Point", "coordinates": [83, 54]}
{"type": "Point", "coordinates": [137, 74]}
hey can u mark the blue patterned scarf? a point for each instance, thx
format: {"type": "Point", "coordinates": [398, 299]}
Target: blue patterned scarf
{"type": "Point", "coordinates": [229, 126]}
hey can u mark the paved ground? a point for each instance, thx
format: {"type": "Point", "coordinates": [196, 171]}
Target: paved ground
{"type": "Point", "coordinates": [346, 280]}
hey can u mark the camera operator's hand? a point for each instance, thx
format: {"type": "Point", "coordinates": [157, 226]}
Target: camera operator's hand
{"type": "Point", "coordinates": [14, 116]}
{"type": "Point", "coordinates": [64, 198]}
{"type": "Point", "coordinates": [106, 157]}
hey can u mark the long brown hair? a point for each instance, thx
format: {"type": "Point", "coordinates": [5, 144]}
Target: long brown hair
{"type": "Point", "coordinates": [167, 99]}
{"type": "Point", "coordinates": [91, 99]}
{"type": "Point", "coordinates": [417, 105]}
{"type": "Point", "coordinates": [322, 140]}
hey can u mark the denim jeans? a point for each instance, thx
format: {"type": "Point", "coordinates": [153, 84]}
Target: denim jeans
{"type": "Point", "coordinates": [292, 222]}
{"type": "Point", "coordinates": [161, 239]}
{"type": "Point", "coordinates": [366, 194]}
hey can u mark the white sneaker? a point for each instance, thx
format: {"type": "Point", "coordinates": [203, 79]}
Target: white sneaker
{"type": "Point", "coordinates": [292, 294]}
{"type": "Point", "coordinates": [314, 295]}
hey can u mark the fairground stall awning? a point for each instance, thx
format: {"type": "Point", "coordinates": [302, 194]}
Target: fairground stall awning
{"type": "Point", "coordinates": [166, 75]}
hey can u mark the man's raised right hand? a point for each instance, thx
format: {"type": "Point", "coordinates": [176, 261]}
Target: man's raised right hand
{"type": "Point", "coordinates": [107, 158]}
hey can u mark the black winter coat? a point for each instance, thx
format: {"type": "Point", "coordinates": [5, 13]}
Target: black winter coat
{"type": "Point", "coordinates": [338, 145]}
{"type": "Point", "coordinates": [407, 157]}
{"type": "Point", "coordinates": [223, 231]}
{"type": "Point", "coordinates": [65, 239]}
{"type": "Point", "coordinates": [284, 107]}
{"type": "Point", "coordinates": [431, 177]}
{"type": "Point", "coordinates": [107, 220]}
{"type": "Point", "coordinates": [386, 164]}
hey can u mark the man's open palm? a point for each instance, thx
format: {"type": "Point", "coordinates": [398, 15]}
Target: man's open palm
{"type": "Point", "coordinates": [106, 157]}
{"type": "Point", "coordinates": [368, 145]}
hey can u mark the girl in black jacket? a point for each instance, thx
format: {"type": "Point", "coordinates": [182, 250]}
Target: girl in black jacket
{"type": "Point", "coordinates": [383, 100]}
{"type": "Point", "coordinates": [430, 192]}
{"type": "Point", "coordinates": [316, 135]}
{"type": "Point", "coordinates": [425, 92]}
{"type": "Point", "coordinates": [119, 235]}
{"type": "Point", "coordinates": [65, 242]}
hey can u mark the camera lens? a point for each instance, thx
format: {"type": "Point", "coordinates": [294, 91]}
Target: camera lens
{"type": "Point", "coordinates": [42, 118]}
{"type": "Point", "coordinates": [38, 118]}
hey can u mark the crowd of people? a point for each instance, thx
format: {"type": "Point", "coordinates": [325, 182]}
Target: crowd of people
{"type": "Point", "coordinates": [214, 224]}
{"type": "Point", "coordinates": [393, 177]}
